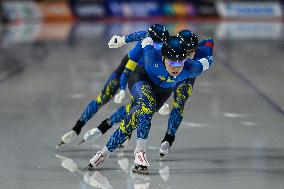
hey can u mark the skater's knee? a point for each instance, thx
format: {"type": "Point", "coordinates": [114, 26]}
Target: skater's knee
{"type": "Point", "coordinates": [127, 129]}
{"type": "Point", "coordinates": [178, 107]}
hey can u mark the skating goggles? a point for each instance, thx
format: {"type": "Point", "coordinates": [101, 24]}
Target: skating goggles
{"type": "Point", "coordinates": [157, 45]}
{"type": "Point", "coordinates": [175, 63]}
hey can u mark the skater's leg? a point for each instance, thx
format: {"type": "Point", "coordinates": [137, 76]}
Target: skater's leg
{"type": "Point", "coordinates": [105, 125]}
{"type": "Point", "coordinates": [181, 94]}
{"type": "Point", "coordinates": [142, 109]}
{"type": "Point", "coordinates": [119, 115]}
{"type": "Point", "coordinates": [110, 88]}
{"type": "Point", "coordinates": [107, 93]}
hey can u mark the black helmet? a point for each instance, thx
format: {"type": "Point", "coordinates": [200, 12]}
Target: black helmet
{"type": "Point", "coordinates": [174, 48]}
{"type": "Point", "coordinates": [189, 38]}
{"type": "Point", "coordinates": [158, 33]}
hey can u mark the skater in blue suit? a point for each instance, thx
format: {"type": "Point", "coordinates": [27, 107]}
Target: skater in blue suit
{"type": "Point", "coordinates": [183, 90]}
{"type": "Point", "coordinates": [151, 85]}
{"type": "Point", "coordinates": [117, 80]}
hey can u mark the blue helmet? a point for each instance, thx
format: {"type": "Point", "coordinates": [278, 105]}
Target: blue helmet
{"type": "Point", "coordinates": [189, 38]}
{"type": "Point", "coordinates": [158, 33]}
{"type": "Point", "coordinates": [174, 49]}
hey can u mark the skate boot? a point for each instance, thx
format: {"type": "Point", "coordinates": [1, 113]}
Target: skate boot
{"type": "Point", "coordinates": [97, 132]}
{"type": "Point", "coordinates": [71, 135]}
{"type": "Point", "coordinates": [141, 163]}
{"type": "Point", "coordinates": [96, 160]}
{"type": "Point", "coordinates": [94, 134]}
{"type": "Point", "coordinates": [166, 145]}
{"type": "Point", "coordinates": [68, 137]}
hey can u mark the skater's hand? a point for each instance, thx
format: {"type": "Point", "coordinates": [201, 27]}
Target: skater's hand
{"type": "Point", "coordinates": [207, 42]}
{"type": "Point", "coordinates": [147, 41]}
{"type": "Point", "coordinates": [116, 41]}
{"type": "Point", "coordinates": [165, 109]}
{"type": "Point", "coordinates": [119, 97]}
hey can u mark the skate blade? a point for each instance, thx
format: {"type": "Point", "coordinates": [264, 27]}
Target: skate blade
{"type": "Point", "coordinates": [142, 171]}
{"type": "Point", "coordinates": [60, 144]}
{"type": "Point", "coordinates": [121, 147]}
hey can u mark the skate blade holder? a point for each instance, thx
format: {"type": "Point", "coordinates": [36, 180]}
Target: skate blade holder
{"type": "Point", "coordinates": [90, 167]}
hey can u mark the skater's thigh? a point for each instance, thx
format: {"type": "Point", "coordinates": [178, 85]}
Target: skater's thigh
{"type": "Point", "coordinates": [184, 89]}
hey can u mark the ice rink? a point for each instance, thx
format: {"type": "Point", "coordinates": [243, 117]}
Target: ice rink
{"type": "Point", "coordinates": [232, 135]}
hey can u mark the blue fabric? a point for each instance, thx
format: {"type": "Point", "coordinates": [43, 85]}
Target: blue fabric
{"type": "Point", "coordinates": [124, 78]}
{"type": "Point", "coordinates": [136, 36]}
{"type": "Point", "coordinates": [117, 116]}
{"type": "Point", "coordinates": [140, 115]}
{"type": "Point", "coordinates": [182, 92]}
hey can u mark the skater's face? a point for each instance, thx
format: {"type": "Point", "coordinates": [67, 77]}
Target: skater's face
{"type": "Point", "coordinates": [174, 68]}
{"type": "Point", "coordinates": [190, 53]}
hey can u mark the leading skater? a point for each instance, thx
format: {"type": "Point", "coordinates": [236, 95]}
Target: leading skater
{"type": "Point", "coordinates": [150, 86]}
{"type": "Point", "coordinates": [183, 90]}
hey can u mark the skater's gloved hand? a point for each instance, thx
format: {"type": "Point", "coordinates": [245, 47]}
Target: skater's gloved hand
{"type": "Point", "coordinates": [165, 109]}
{"type": "Point", "coordinates": [207, 42]}
{"type": "Point", "coordinates": [119, 97]}
{"type": "Point", "coordinates": [116, 41]}
{"type": "Point", "coordinates": [147, 41]}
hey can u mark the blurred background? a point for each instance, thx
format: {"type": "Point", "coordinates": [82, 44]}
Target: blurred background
{"type": "Point", "coordinates": [39, 27]}
{"type": "Point", "coordinates": [54, 59]}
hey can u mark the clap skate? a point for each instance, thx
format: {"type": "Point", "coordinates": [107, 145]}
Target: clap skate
{"type": "Point", "coordinates": [72, 134]}
{"type": "Point", "coordinates": [141, 163]}
{"type": "Point", "coordinates": [93, 134]}
{"type": "Point", "coordinates": [164, 149]}
{"type": "Point", "coordinates": [166, 145]}
{"type": "Point", "coordinates": [97, 160]}
{"type": "Point", "coordinates": [67, 137]}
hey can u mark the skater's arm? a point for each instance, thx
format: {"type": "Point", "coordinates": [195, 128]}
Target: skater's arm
{"type": "Point", "coordinates": [203, 58]}
{"type": "Point", "coordinates": [205, 48]}
{"type": "Point", "coordinates": [118, 41]}
{"type": "Point", "coordinates": [125, 76]}
{"type": "Point", "coordinates": [136, 36]}
{"type": "Point", "coordinates": [195, 67]}
{"type": "Point", "coordinates": [135, 56]}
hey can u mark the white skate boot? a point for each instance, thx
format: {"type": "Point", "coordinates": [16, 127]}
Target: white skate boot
{"type": "Point", "coordinates": [164, 149]}
{"type": "Point", "coordinates": [94, 134]}
{"type": "Point", "coordinates": [97, 160]}
{"type": "Point", "coordinates": [141, 163]}
{"type": "Point", "coordinates": [68, 137]}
